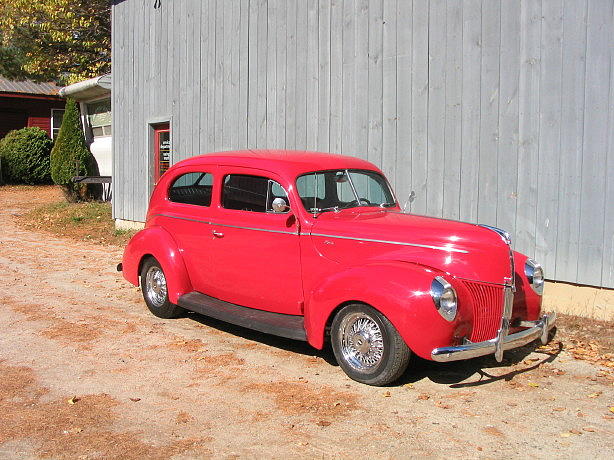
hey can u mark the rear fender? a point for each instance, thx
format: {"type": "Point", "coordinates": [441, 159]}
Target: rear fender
{"type": "Point", "coordinates": [398, 290]}
{"type": "Point", "coordinates": [157, 242]}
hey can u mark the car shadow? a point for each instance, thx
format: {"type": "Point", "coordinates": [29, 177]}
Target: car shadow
{"type": "Point", "coordinates": [453, 373]}
{"type": "Point", "coordinates": [294, 346]}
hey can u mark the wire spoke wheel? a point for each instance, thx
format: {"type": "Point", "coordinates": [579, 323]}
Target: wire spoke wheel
{"type": "Point", "coordinates": [155, 286]}
{"type": "Point", "coordinates": [362, 343]}
{"type": "Point", "coordinates": [367, 346]}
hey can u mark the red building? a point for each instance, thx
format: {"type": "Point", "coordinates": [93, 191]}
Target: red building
{"type": "Point", "coordinates": [25, 103]}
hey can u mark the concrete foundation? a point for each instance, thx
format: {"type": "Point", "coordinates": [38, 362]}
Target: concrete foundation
{"type": "Point", "coordinates": [586, 301]}
{"type": "Point", "coordinates": [121, 224]}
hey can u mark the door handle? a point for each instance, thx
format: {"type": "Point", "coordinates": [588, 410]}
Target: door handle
{"type": "Point", "coordinates": [217, 234]}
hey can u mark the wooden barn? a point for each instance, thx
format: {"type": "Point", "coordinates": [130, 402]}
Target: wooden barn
{"type": "Point", "coordinates": [492, 111]}
{"type": "Point", "coordinates": [25, 104]}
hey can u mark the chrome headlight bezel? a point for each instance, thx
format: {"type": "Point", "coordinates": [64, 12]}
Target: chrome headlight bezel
{"type": "Point", "coordinates": [535, 276]}
{"type": "Point", "coordinates": [445, 298]}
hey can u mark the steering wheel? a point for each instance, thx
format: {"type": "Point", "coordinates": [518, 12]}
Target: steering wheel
{"type": "Point", "coordinates": [359, 202]}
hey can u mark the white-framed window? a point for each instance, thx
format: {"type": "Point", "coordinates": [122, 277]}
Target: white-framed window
{"type": "Point", "coordinates": [99, 117]}
{"type": "Point", "coordinates": [57, 115]}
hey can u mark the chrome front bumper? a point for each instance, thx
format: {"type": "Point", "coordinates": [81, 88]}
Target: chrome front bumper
{"type": "Point", "coordinates": [536, 329]}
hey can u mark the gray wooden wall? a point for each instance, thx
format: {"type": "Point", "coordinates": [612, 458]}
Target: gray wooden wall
{"type": "Point", "coordinates": [499, 112]}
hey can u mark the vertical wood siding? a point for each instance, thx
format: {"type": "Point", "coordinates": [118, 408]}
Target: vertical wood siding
{"type": "Point", "coordinates": [492, 111]}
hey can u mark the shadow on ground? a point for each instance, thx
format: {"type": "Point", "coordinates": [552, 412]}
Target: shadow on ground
{"type": "Point", "coordinates": [453, 373]}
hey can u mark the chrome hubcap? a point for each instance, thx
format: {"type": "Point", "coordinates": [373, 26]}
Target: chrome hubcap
{"type": "Point", "coordinates": [362, 344]}
{"type": "Point", "coordinates": [155, 286]}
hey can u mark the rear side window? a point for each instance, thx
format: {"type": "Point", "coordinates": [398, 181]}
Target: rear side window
{"type": "Point", "coordinates": [251, 193]}
{"type": "Point", "coordinates": [192, 188]}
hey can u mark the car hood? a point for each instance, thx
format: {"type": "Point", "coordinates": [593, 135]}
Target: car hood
{"type": "Point", "coordinates": [465, 250]}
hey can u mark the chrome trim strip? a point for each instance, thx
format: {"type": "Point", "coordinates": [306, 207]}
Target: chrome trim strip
{"type": "Point", "coordinates": [226, 225]}
{"type": "Point", "coordinates": [370, 240]}
{"type": "Point", "coordinates": [537, 329]}
{"type": "Point", "coordinates": [505, 236]}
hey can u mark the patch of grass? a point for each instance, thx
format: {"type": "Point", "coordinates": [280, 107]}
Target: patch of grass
{"type": "Point", "coordinates": [90, 221]}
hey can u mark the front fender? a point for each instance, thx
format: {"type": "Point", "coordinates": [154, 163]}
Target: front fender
{"type": "Point", "coordinates": [398, 290]}
{"type": "Point", "coordinates": [157, 242]}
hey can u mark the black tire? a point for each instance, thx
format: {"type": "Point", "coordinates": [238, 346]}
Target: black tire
{"type": "Point", "coordinates": [155, 291]}
{"type": "Point", "coordinates": [367, 346]}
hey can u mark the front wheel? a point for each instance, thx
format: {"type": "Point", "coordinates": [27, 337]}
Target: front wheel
{"type": "Point", "coordinates": [155, 290]}
{"type": "Point", "coordinates": [367, 346]}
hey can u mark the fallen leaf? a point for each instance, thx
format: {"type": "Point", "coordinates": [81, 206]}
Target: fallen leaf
{"type": "Point", "coordinates": [612, 409]}
{"type": "Point", "coordinates": [595, 395]}
{"type": "Point", "coordinates": [558, 409]}
{"type": "Point", "coordinates": [135, 399]}
{"type": "Point", "coordinates": [590, 429]}
{"type": "Point", "coordinates": [442, 405]}
{"type": "Point", "coordinates": [567, 434]}
{"type": "Point", "coordinates": [534, 385]}
{"type": "Point", "coordinates": [386, 394]}
{"type": "Point", "coordinates": [575, 432]}
{"type": "Point", "coordinates": [423, 396]}
{"type": "Point", "coordinates": [492, 430]}
{"type": "Point", "coordinates": [409, 385]}
{"type": "Point", "coordinates": [323, 423]}
{"type": "Point", "coordinates": [73, 400]}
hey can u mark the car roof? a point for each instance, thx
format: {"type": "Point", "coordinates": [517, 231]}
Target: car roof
{"type": "Point", "coordinates": [289, 163]}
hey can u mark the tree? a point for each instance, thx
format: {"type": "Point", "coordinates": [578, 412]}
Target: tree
{"type": "Point", "coordinates": [55, 40]}
{"type": "Point", "coordinates": [70, 156]}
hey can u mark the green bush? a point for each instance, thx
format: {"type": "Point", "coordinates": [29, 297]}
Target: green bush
{"type": "Point", "coordinates": [70, 156]}
{"type": "Point", "coordinates": [24, 155]}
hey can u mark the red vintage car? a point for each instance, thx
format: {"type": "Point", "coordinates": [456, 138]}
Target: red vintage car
{"type": "Point", "coordinates": [315, 247]}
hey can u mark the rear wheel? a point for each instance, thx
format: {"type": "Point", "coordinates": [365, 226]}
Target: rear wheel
{"type": "Point", "coordinates": [367, 346]}
{"type": "Point", "coordinates": [155, 290]}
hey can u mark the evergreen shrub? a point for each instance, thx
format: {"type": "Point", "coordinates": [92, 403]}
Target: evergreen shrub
{"type": "Point", "coordinates": [70, 156]}
{"type": "Point", "coordinates": [24, 155]}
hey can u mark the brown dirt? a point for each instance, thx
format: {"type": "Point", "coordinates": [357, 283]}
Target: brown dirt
{"type": "Point", "coordinates": [87, 372]}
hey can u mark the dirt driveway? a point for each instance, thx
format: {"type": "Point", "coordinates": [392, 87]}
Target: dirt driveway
{"type": "Point", "coordinates": [87, 372]}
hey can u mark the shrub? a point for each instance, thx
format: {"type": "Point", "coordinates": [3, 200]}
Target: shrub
{"type": "Point", "coordinates": [70, 156]}
{"type": "Point", "coordinates": [24, 155]}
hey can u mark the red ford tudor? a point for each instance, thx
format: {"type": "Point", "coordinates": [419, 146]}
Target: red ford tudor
{"type": "Point", "coordinates": [315, 247]}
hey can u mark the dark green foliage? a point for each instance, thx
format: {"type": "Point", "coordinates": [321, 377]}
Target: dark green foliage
{"type": "Point", "coordinates": [70, 156]}
{"type": "Point", "coordinates": [25, 156]}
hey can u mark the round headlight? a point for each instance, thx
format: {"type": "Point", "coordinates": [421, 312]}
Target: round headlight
{"type": "Point", "coordinates": [444, 297]}
{"type": "Point", "coordinates": [535, 275]}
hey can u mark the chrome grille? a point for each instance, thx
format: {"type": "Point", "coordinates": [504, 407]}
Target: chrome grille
{"type": "Point", "coordinates": [487, 309]}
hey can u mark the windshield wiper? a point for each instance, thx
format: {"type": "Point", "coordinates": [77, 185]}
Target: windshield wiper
{"type": "Point", "coordinates": [387, 205]}
{"type": "Point", "coordinates": [316, 211]}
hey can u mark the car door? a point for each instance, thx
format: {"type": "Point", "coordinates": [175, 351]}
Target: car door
{"type": "Point", "coordinates": [255, 257]}
{"type": "Point", "coordinates": [187, 217]}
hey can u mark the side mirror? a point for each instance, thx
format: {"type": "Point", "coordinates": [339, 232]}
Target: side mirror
{"type": "Point", "coordinates": [279, 205]}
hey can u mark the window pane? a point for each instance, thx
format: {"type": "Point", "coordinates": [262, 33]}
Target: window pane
{"type": "Point", "coordinates": [192, 188]}
{"type": "Point", "coordinates": [247, 193]}
{"type": "Point", "coordinates": [311, 189]}
{"type": "Point", "coordinates": [99, 113]}
{"type": "Point", "coordinates": [276, 191]}
{"type": "Point", "coordinates": [334, 189]}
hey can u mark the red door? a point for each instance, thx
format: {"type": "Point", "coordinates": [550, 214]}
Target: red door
{"type": "Point", "coordinates": [257, 252]}
{"type": "Point", "coordinates": [162, 150]}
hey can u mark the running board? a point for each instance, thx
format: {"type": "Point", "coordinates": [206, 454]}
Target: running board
{"type": "Point", "coordinates": [289, 326]}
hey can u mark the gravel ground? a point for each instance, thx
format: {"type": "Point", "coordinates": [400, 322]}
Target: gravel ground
{"type": "Point", "coordinates": [87, 372]}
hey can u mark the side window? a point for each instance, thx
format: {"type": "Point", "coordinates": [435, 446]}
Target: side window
{"type": "Point", "coordinates": [251, 193]}
{"type": "Point", "coordinates": [192, 188]}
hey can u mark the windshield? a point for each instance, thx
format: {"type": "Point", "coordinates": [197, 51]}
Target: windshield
{"type": "Point", "coordinates": [343, 188]}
